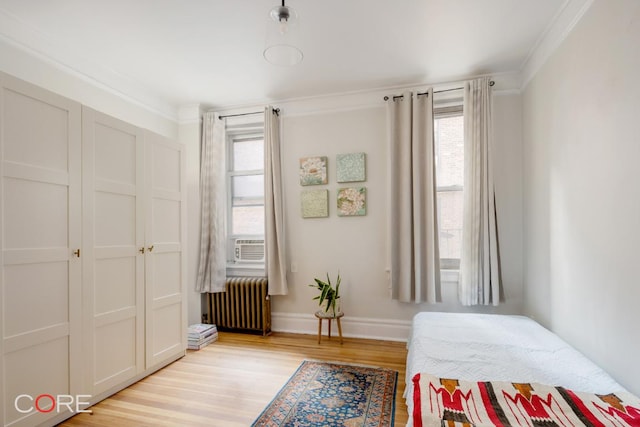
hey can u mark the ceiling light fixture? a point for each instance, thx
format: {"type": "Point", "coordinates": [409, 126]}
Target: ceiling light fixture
{"type": "Point", "coordinates": [282, 34]}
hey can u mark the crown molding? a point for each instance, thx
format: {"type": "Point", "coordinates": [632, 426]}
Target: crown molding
{"type": "Point", "coordinates": [23, 37]}
{"type": "Point", "coordinates": [558, 30]}
{"type": "Point", "coordinates": [507, 83]}
{"type": "Point", "coordinates": [32, 42]}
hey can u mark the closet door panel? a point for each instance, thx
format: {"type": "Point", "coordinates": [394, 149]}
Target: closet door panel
{"type": "Point", "coordinates": [113, 235]}
{"type": "Point", "coordinates": [40, 290]}
{"type": "Point", "coordinates": [41, 209]}
{"type": "Point", "coordinates": [27, 373]}
{"type": "Point", "coordinates": [167, 217]}
{"type": "Point", "coordinates": [116, 223]}
{"type": "Point", "coordinates": [165, 264]}
{"type": "Point", "coordinates": [167, 332]}
{"type": "Point", "coordinates": [166, 277]}
{"type": "Point", "coordinates": [166, 163]}
{"type": "Point", "coordinates": [116, 153]}
{"type": "Point", "coordinates": [115, 283]}
{"type": "Point", "coordinates": [27, 292]}
{"type": "Point", "coordinates": [35, 129]}
{"type": "Point", "coordinates": [113, 367]}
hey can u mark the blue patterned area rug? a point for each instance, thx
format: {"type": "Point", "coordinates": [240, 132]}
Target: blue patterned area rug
{"type": "Point", "coordinates": [330, 394]}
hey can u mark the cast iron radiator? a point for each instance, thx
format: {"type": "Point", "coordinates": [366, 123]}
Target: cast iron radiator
{"type": "Point", "coordinates": [244, 306]}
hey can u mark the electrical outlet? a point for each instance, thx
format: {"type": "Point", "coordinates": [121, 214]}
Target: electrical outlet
{"type": "Point", "coordinates": [294, 267]}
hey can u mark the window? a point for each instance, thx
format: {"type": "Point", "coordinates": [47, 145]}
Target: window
{"type": "Point", "coordinates": [449, 145]}
{"type": "Point", "coordinates": [245, 184]}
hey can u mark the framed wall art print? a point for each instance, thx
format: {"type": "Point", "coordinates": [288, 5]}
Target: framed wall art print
{"type": "Point", "coordinates": [352, 201]}
{"type": "Point", "coordinates": [351, 167]}
{"type": "Point", "coordinates": [313, 170]}
{"type": "Point", "coordinates": [315, 203]}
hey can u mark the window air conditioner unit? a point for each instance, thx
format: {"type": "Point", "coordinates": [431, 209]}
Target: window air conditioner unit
{"type": "Point", "coordinates": [249, 250]}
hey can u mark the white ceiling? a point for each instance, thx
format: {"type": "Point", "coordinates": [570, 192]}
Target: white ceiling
{"type": "Point", "coordinates": [209, 52]}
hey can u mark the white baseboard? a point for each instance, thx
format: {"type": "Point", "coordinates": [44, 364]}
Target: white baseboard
{"type": "Point", "coordinates": [354, 327]}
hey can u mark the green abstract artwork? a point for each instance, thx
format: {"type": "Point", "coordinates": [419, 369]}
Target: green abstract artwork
{"type": "Point", "coordinates": [350, 167]}
{"type": "Point", "coordinates": [315, 203]}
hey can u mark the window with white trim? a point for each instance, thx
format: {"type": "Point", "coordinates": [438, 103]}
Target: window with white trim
{"type": "Point", "coordinates": [449, 147]}
{"type": "Point", "coordinates": [245, 186]}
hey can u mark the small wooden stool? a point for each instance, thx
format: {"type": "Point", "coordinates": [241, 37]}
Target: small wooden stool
{"type": "Point", "coordinates": [321, 315]}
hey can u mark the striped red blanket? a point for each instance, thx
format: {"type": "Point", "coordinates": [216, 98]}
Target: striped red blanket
{"type": "Point", "coordinates": [455, 403]}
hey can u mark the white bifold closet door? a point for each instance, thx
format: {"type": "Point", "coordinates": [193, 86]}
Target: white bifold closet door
{"type": "Point", "coordinates": [133, 273]}
{"type": "Point", "coordinates": [40, 289]}
{"type": "Point", "coordinates": [114, 245]}
{"type": "Point", "coordinates": [165, 267]}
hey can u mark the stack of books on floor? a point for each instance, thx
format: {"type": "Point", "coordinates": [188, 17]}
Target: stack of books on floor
{"type": "Point", "coordinates": [200, 335]}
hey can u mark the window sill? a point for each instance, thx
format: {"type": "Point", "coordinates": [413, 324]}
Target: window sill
{"type": "Point", "coordinates": [449, 276]}
{"type": "Point", "coordinates": [241, 269]}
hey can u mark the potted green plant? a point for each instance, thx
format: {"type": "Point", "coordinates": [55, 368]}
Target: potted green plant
{"type": "Point", "coordinates": [329, 294]}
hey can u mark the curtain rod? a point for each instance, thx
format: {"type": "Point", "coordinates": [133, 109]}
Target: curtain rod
{"type": "Point", "coordinates": [275, 110]}
{"type": "Point", "coordinates": [386, 98]}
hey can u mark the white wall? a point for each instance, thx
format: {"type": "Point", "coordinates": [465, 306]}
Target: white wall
{"type": "Point", "coordinates": [189, 135]}
{"type": "Point", "coordinates": [41, 71]}
{"type": "Point", "coordinates": [582, 193]}
{"type": "Point", "coordinates": [507, 109]}
{"type": "Point", "coordinates": [356, 246]}
{"type": "Point", "coordinates": [318, 126]}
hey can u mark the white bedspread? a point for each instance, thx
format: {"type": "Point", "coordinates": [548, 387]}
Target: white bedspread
{"type": "Point", "coordinates": [486, 347]}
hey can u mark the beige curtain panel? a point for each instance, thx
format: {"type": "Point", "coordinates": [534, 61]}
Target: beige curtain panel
{"type": "Point", "coordinates": [275, 251]}
{"type": "Point", "coordinates": [413, 225]}
{"type": "Point", "coordinates": [212, 266]}
{"type": "Point", "coordinates": [479, 263]}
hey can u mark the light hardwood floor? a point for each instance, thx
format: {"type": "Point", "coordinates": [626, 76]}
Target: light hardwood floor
{"type": "Point", "coordinates": [229, 382]}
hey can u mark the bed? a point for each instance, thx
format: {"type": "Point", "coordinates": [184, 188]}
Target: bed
{"type": "Point", "coordinates": [495, 351]}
